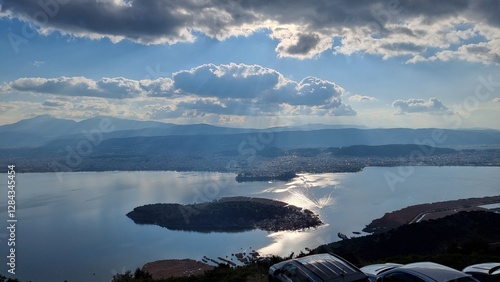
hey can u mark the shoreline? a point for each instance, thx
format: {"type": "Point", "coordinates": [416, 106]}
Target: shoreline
{"type": "Point", "coordinates": [236, 173]}
{"type": "Point", "coordinates": [227, 214]}
{"type": "Point", "coordinates": [260, 166]}
{"type": "Point", "coordinates": [417, 213]}
{"type": "Point", "coordinates": [438, 209]}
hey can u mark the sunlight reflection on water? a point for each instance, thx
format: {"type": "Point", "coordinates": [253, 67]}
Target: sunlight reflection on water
{"type": "Point", "coordinates": [81, 222]}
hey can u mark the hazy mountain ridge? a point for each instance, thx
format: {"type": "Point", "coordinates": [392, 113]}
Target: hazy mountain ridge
{"type": "Point", "coordinates": [45, 129]}
{"type": "Point", "coordinates": [49, 131]}
{"type": "Point", "coordinates": [45, 144]}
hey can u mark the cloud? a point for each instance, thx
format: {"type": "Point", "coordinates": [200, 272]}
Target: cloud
{"type": "Point", "coordinates": [256, 84]}
{"type": "Point", "coordinates": [160, 87]}
{"type": "Point", "coordinates": [477, 52]}
{"type": "Point", "coordinates": [298, 43]}
{"type": "Point", "coordinates": [85, 107]}
{"type": "Point", "coordinates": [253, 89]}
{"type": "Point", "coordinates": [496, 100]}
{"type": "Point", "coordinates": [53, 104]}
{"type": "Point", "coordinates": [433, 106]}
{"type": "Point", "coordinates": [343, 110]}
{"type": "Point", "coordinates": [38, 63]}
{"type": "Point", "coordinates": [159, 112]}
{"type": "Point", "coordinates": [58, 105]}
{"type": "Point", "coordinates": [15, 106]}
{"type": "Point", "coordinates": [228, 89]}
{"type": "Point", "coordinates": [423, 30]}
{"type": "Point", "coordinates": [232, 80]}
{"type": "Point", "coordinates": [361, 98]}
{"type": "Point", "coordinates": [313, 91]}
{"type": "Point", "coordinates": [114, 88]}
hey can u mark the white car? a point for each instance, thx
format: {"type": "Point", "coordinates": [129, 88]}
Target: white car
{"type": "Point", "coordinates": [424, 272]}
{"type": "Point", "coordinates": [316, 268]}
{"type": "Point", "coordinates": [373, 271]}
{"type": "Point", "coordinates": [484, 272]}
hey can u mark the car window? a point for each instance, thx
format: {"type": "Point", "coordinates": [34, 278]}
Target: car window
{"type": "Point", "coordinates": [402, 277]}
{"type": "Point", "coordinates": [294, 274]}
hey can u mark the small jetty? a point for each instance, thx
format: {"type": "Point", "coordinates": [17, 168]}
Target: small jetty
{"type": "Point", "coordinates": [343, 236]}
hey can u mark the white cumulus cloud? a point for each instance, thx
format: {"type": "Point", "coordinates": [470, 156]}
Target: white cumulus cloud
{"type": "Point", "coordinates": [361, 98]}
{"type": "Point", "coordinates": [433, 106]}
{"type": "Point", "coordinates": [228, 89]}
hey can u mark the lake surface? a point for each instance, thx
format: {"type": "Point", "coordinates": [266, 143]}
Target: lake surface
{"type": "Point", "coordinates": [75, 228]}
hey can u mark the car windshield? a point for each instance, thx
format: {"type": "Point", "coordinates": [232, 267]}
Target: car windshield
{"type": "Point", "coordinates": [464, 279]}
{"type": "Point", "coordinates": [367, 279]}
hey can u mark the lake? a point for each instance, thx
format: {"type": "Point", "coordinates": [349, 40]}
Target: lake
{"type": "Point", "coordinates": [75, 227]}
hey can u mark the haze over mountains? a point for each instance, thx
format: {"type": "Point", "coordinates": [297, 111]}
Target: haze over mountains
{"type": "Point", "coordinates": [49, 131]}
{"type": "Point", "coordinates": [48, 144]}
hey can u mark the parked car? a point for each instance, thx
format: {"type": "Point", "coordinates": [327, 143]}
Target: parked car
{"type": "Point", "coordinates": [316, 268]}
{"type": "Point", "coordinates": [484, 272]}
{"type": "Point", "coordinates": [424, 272]}
{"type": "Point", "coordinates": [375, 270]}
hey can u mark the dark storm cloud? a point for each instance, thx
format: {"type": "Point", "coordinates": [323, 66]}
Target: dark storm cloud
{"type": "Point", "coordinates": [303, 29]}
{"type": "Point", "coordinates": [141, 21]}
{"type": "Point", "coordinates": [305, 44]}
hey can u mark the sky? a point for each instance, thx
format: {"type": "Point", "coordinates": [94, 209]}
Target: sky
{"type": "Point", "coordinates": [253, 63]}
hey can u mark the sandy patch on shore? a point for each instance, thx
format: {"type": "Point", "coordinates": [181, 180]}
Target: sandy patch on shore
{"type": "Point", "coordinates": [176, 268]}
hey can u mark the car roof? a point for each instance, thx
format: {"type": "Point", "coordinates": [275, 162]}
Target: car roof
{"type": "Point", "coordinates": [330, 268]}
{"type": "Point", "coordinates": [376, 269]}
{"type": "Point", "coordinates": [491, 268]}
{"type": "Point", "coordinates": [433, 270]}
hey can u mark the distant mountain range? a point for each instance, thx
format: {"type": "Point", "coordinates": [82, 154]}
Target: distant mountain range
{"type": "Point", "coordinates": [49, 131]}
{"type": "Point", "coordinates": [45, 143]}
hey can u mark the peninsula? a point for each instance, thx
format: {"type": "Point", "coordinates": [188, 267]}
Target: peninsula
{"type": "Point", "coordinates": [418, 213]}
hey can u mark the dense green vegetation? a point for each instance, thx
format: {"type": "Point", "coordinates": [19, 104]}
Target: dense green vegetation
{"type": "Point", "coordinates": [457, 241]}
{"type": "Point", "coordinates": [227, 215]}
{"type": "Point", "coordinates": [5, 279]}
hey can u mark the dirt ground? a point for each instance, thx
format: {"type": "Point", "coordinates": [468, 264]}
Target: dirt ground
{"type": "Point", "coordinates": [176, 268]}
